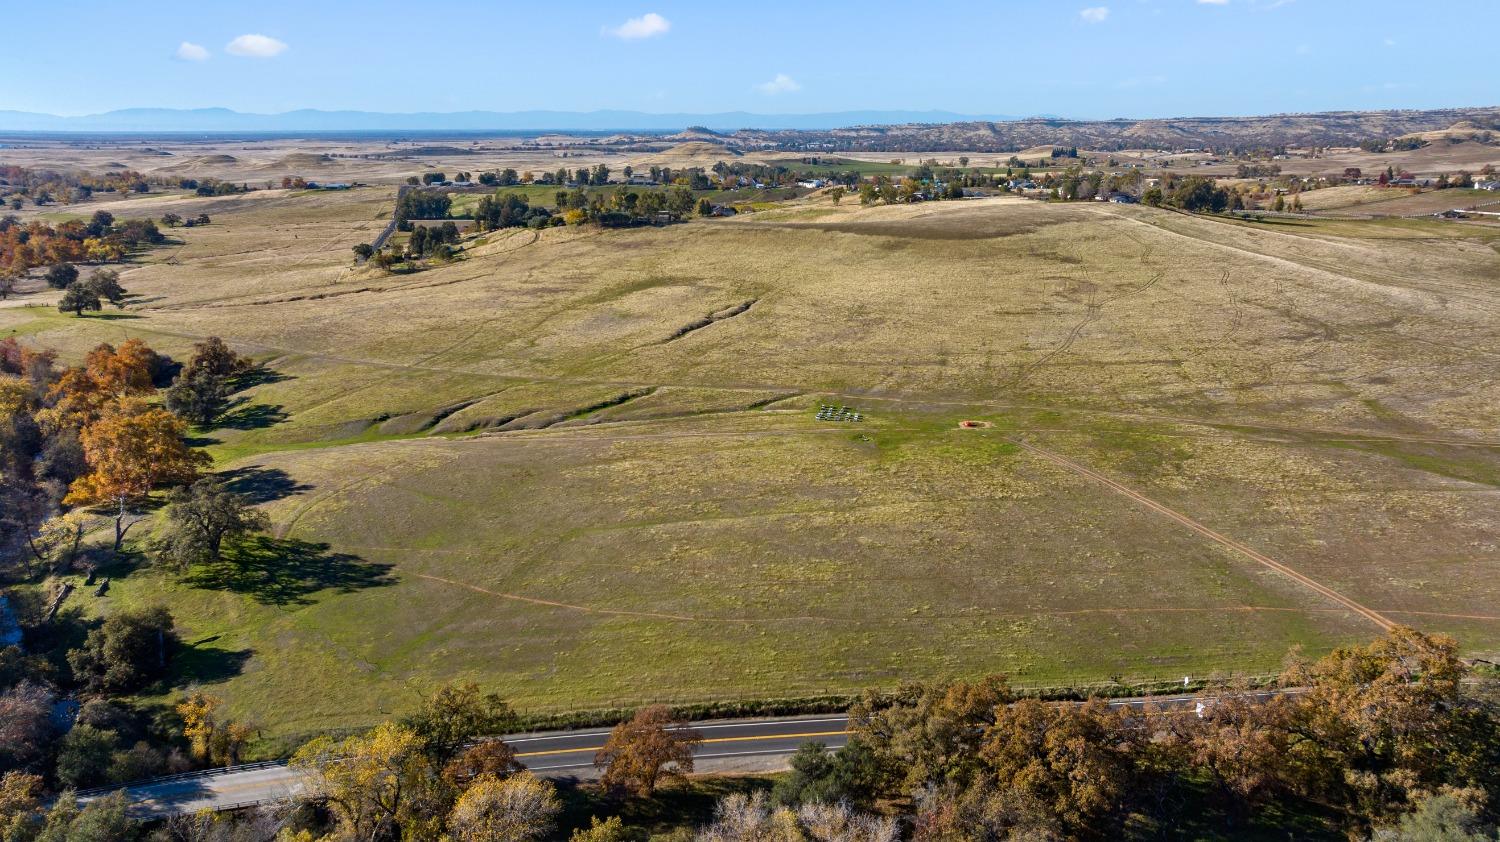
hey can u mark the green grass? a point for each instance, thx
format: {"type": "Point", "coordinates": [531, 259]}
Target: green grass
{"type": "Point", "coordinates": [578, 510]}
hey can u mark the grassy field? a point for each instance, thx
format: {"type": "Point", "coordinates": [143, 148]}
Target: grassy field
{"type": "Point", "coordinates": [582, 467]}
{"type": "Point", "coordinates": [1355, 200]}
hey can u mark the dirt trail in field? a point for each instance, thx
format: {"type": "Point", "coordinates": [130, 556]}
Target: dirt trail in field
{"type": "Point", "coordinates": [1218, 538]}
{"type": "Point", "coordinates": [688, 618]}
{"type": "Point", "coordinates": [551, 604]}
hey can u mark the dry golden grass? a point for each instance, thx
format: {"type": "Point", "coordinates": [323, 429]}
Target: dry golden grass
{"type": "Point", "coordinates": [652, 514]}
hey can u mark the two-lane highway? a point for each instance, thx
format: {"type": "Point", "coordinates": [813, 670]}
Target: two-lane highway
{"type": "Point", "coordinates": [556, 754]}
{"type": "Point", "coordinates": [566, 753]}
{"type": "Point", "coordinates": [727, 745]}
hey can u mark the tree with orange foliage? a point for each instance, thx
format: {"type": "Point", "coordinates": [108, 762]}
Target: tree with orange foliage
{"type": "Point", "coordinates": [80, 395]}
{"type": "Point", "coordinates": [130, 450]}
{"type": "Point", "coordinates": [640, 752]}
{"type": "Point", "coordinates": [1384, 725]}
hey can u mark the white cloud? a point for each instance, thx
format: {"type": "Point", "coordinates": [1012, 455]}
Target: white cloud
{"type": "Point", "coordinates": [255, 46]}
{"type": "Point", "coordinates": [1214, 2]}
{"type": "Point", "coordinates": [188, 51]}
{"type": "Point", "coordinates": [646, 26]}
{"type": "Point", "coordinates": [782, 84]}
{"type": "Point", "coordinates": [1095, 14]}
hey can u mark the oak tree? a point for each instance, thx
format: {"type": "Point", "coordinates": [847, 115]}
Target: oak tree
{"type": "Point", "coordinates": [77, 298]}
{"type": "Point", "coordinates": [132, 449]}
{"type": "Point", "coordinates": [199, 519]}
{"type": "Point", "coordinates": [128, 651]}
{"type": "Point", "coordinates": [639, 753]}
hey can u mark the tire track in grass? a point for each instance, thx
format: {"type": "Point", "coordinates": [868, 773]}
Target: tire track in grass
{"type": "Point", "coordinates": [962, 618]}
{"type": "Point", "coordinates": [552, 604]}
{"type": "Point", "coordinates": [1223, 540]}
{"type": "Point", "coordinates": [1093, 312]}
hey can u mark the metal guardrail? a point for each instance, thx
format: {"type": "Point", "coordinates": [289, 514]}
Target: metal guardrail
{"type": "Point", "coordinates": [199, 774]}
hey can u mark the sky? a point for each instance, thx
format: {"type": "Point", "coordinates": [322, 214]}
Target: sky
{"type": "Point", "coordinates": [1092, 59]}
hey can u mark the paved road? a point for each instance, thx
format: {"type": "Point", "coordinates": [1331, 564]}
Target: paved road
{"type": "Point", "coordinates": [390, 227]}
{"type": "Point", "coordinates": [728, 745]}
{"type": "Point", "coordinates": [560, 754]}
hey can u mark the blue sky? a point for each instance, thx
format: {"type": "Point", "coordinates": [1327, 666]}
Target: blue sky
{"type": "Point", "coordinates": [1085, 59]}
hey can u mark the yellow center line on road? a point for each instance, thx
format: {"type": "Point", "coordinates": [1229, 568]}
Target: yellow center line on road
{"type": "Point", "coordinates": [711, 740]}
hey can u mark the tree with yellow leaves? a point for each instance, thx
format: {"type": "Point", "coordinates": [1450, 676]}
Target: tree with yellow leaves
{"type": "Point", "coordinates": [133, 448]}
{"type": "Point", "coordinates": [376, 783]}
{"type": "Point", "coordinates": [519, 808]}
{"type": "Point", "coordinates": [20, 805]}
{"type": "Point", "coordinates": [210, 739]}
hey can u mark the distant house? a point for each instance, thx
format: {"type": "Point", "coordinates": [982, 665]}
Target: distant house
{"type": "Point", "coordinates": [812, 183]}
{"type": "Point", "coordinates": [1123, 199]}
{"type": "Point", "coordinates": [1491, 186]}
{"type": "Point", "coordinates": [639, 180]}
{"type": "Point", "coordinates": [462, 183]}
{"type": "Point", "coordinates": [723, 210]}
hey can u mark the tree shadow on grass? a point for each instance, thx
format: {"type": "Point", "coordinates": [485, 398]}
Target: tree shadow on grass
{"type": "Point", "coordinates": [200, 663]}
{"type": "Point", "coordinates": [247, 416]}
{"type": "Point", "coordinates": [258, 376]}
{"type": "Point", "coordinates": [261, 485]}
{"type": "Point", "coordinates": [285, 571]}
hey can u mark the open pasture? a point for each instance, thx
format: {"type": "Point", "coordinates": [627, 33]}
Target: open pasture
{"type": "Point", "coordinates": [584, 467]}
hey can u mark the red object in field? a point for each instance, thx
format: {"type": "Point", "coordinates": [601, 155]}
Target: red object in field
{"type": "Point", "coordinates": [969, 425]}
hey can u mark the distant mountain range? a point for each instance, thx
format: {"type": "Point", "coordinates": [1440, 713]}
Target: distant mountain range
{"type": "Point", "coordinates": [868, 131]}
{"type": "Point", "coordinates": [312, 120]}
